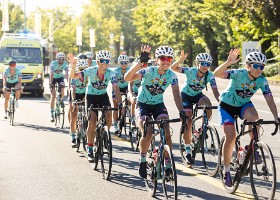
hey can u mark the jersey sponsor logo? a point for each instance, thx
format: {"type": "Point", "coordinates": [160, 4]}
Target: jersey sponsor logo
{"type": "Point", "coordinates": [154, 89]}
{"type": "Point", "coordinates": [99, 85]}
{"type": "Point", "coordinates": [196, 87]}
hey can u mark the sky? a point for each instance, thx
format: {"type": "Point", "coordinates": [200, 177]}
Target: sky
{"type": "Point", "coordinates": [31, 5]}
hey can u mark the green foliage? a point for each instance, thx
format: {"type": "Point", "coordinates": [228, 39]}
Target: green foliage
{"type": "Point", "coordinates": [272, 70]}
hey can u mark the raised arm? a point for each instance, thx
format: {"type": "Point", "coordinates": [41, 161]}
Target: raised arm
{"type": "Point", "coordinates": [232, 59]}
{"type": "Point", "coordinates": [72, 62]}
{"type": "Point", "coordinates": [175, 66]}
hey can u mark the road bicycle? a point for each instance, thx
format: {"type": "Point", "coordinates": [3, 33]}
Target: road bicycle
{"type": "Point", "coordinates": [59, 113]}
{"type": "Point", "coordinates": [205, 140]}
{"type": "Point", "coordinates": [81, 124]}
{"type": "Point", "coordinates": [258, 161]}
{"type": "Point", "coordinates": [135, 136]}
{"type": "Point", "coordinates": [11, 105]}
{"type": "Point", "coordinates": [156, 163]}
{"type": "Point", "coordinates": [124, 121]}
{"type": "Point", "coordinates": [103, 143]}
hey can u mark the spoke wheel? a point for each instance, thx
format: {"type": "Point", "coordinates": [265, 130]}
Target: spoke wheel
{"type": "Point", "coordinates": [12, 112]}
{"type": "Point", "coordinates": [182, 149]}
{"type": "Point", "coordinates": [127, 121]}
{"type": "Point", "coordinates": [62, 114]}
{"type": "Point", "coordinates": [135, 136]}
{"type": "Point", "coordinates": [210, 144]}
{"type": "Point", "coordinates": [234, 166]}
{"type": "Point", "coordinates": [169, 176]}
{"type": "Point", "coordinates": [263, 175]}
{"type": "Point", "coordinates": [151, 180]}
{"type": "Point", "coordinates": [106, 154]}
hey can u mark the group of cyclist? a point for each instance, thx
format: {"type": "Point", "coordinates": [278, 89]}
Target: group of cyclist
{"type": "Point", "coordinates": [145, 85]}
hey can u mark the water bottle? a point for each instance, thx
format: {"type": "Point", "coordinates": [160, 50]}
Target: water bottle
{"type": "Point", "coordinates": [241, 155]}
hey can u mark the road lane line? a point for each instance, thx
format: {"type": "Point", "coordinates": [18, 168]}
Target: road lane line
{"type": "Point", "coordinates": [192, 172]}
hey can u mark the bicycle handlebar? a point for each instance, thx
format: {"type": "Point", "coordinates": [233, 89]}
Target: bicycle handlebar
{"type": "Point", "coordinates": [205, 107]}
{"type": "Point", "coordinates": [79, 102]}
{"type": "Point", "coordinates": [104, 108]}
{"type": "Point", "coordinates": [260, 122]}
{"type": "Point", "coordinates": [162, 121]}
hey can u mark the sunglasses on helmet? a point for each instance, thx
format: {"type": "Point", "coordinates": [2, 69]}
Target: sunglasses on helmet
{"type": "Point", "coordinates": [166, 58]}
{"type": "Point", "coordinates": [205, 64]}
{"type": "Point", "coordinates": [104, 61]}
{"type": "Point", "coordinates": [256, 66]}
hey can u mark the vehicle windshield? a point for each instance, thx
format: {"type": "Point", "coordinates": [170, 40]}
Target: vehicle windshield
{"type": "Point", "coordinates": [21, 55]}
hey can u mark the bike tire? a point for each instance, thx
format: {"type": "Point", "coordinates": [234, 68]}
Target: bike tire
{"type": "Point", "coordinates": [62, 114]}
{"type": "Point", "coordinates": [182, 149]}
{"type": "Point", "coordinates": [106, 164]}
{"type": "Point", "coordinates": [169, 182]}
{"type": "Point", "coordinates": [135, 136]}
{"type": "Point", "coordinates": [210, 144]}
{"type": "Point", "coordinates": [234, 166]}
{"type": "Point", "coordinates": [127, 121]}
{"type": "Point", "coordinates": [151, 180]}
{"type": "Point", "coordinates": [263, 175]}
{"type": "Point", "coordinates": [12, 112]}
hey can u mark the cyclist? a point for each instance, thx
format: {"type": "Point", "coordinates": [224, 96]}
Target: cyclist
{"type": "Point", "coordinates": [11, 79]}
{"type": "Point", "coordinates": [78, 89]}
{"type": "Point", "coordinates": [89, 57]}
{"type": "Point", "coordinates": [150, 103]}
{"type": "Point", "coordinates": [123, 85]}
{"type": "Point", "coordinates": [56, 76]}
{"type": "Point", "coordinates": [96, 92]}
{"type": "Point", "coordinates": [236, 99]}
{"type": "Point", "coordinates": [191, 93]}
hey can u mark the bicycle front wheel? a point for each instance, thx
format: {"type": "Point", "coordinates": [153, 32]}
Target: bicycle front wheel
{"type": "Point", "coordinates": [62, 114]}
{"type": "Point", "coordinates": [169, 176]}
{"type": "Point", "coordinates": [135, 136]}
{"type": "Point", "coordinates": [262, 172]}
{"type": "Point", "coordinates": [151, 180]}
{"type": "Point", "coordinates": [210, 144]}
{"type": "Point", "coordinates": [12, 112]}
{"type": "Point", "coordinates": [106, 158]}
{"type": "Point", "coordinates": [234, 167]}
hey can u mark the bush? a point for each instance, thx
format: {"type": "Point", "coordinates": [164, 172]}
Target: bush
{"type": "Point", "coordinates": [271, 70]}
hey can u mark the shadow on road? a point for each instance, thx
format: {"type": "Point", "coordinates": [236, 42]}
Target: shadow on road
{"type": "Point", "coordinates": [44, 128]}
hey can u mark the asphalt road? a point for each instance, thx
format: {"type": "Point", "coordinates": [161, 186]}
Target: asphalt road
{"type": "Point", "coordinates": [37, 161]}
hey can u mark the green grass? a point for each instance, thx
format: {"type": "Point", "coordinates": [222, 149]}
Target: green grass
{"type": "Point", "coordinates": [274, 78]}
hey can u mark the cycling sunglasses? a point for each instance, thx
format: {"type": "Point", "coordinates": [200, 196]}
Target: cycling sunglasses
{"type": "Point", "coordinates": [104, 61]}
{"type": "Point", "coordinates": [165, 58]}
{"type": "Point", "coordinates": [123, 63]}
{"type": "Point", "coordinates": [60, 59]}
{"type": "Point", "coordinates": [205, 64]}
{"type": "Point", "coordinates": [256, 66]}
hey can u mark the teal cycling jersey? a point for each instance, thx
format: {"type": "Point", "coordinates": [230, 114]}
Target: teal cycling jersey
{"type": "Point", "coordinates": [193, 84]}
{"type": "Point", "coordinates": [120, 76]}
{"type": "Point", "coordinates": [57, 69]}
{"type": "Point", "coordinates": [136, 85]}
{"type": "Point", "coordinates": [96, 86]}
{"type": "Point", "coordinates": [153, 85]}
{"type": "Point", "coordinates": [12, 78]}
{"type": "Point", "coordinates": [241, 88]}
{"type": "Point", "coordinates": [80, 85]}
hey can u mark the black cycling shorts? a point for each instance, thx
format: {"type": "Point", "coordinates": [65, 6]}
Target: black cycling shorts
{"type": "Point", "coordinates": [189, 101]}
{"type": "Point", "coordinates": [98, 101]}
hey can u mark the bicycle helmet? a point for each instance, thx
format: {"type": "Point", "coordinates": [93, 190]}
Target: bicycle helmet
{"type": "Point", "coordinates": [82, 64]}
{"type": "Point", "coordinates": [89, 54]}
{"type": "Point", "coordinates": [103, 54]}
{"type": "Point", "coordinates": [122, 58]}
{"type": "Point", "coordinates": [12, 62]}
{"type": "Point", "coordinates": [164, 51]}
{"type": "Point", "coordinates": [204, 57]}
{"type": "Point", "coordinates": [82, 56]}
{"type": "Point", "coordinates": [256, 57]}
{"type": "Point", "coordinates": [60, 55]}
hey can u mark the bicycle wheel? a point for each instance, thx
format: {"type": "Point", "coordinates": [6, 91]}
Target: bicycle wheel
{"type": "Point", "coordinates": [127, 121]}
{"type": "Point", "coordinates": [62, 114]}
{"type": "Point", "coordinates": [106, 158]}
{"type": "Point", "coordinates": [182, 149]}
{"type": "Point", "coordinates": [84, 136]}
{"type": "Point", "coordinates": [210, 144]}
{"type": "Point", "coordinates": [12, 112]}
{"type": "Point", "coordinates": [135, 136]}
{"type": "Point", "coordinates": [151, 180]}
{"type": "Point", "coordinates": [234, 167]}
{"type": "Point", "coordinates": [169, 176]}
{"type": "Point", "coordinates": [263, 175]}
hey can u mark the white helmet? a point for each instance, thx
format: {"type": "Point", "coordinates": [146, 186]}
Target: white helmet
{"type": "Point", "coordinates": [256, 57]}
{"type": "Point", "coordinates": [103, 54]}
{"type": "Point", "coordinates": [60, 55]}
{"type": "Point", "coordinates": [164, 51]}
{"type": "Point", "coordinates": [123, 58]}
{"type": "Point", "coordinates": [82, 64]}
{"type": "Point", "coordinates": [204, 57]}
{"type": "Point", "coordinates": [89, 54]}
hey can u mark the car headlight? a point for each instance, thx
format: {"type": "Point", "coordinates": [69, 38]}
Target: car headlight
{"type": "Point", "coordinates": [39, 76]}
